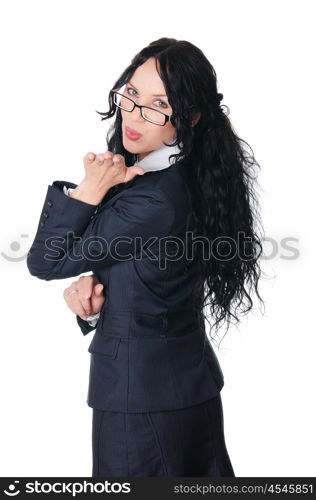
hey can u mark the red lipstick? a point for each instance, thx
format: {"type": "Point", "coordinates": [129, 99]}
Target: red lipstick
{"type": "Point", "coordinates": [132, 134]}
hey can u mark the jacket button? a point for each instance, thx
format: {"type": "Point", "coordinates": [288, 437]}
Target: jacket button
{"type": "Point", "coordinates": [42, 224]}
{"type": "Point", "coordinates": [50, 203]}
{"type": "Point", "coordinates": [45, 214]}
{"type": "Point", "coordinates": [96, 211]}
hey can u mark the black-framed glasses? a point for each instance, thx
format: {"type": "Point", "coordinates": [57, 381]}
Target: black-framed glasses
{"type": "Point", "coordinates": [150, 114]}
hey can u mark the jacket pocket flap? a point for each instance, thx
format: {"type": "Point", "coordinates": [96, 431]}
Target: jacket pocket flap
{"type": "Point", "coordinates": [103, 344]}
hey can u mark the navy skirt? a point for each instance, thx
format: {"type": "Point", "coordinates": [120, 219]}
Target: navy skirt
{"type": "Point", "coordinates": [184, 442]}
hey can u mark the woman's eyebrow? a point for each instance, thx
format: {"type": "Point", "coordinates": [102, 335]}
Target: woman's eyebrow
{"type": "Point", "coordinates": [155, 95]}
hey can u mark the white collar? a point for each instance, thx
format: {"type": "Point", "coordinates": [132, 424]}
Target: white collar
{"type": "Point", "coordinates": [158, 159]}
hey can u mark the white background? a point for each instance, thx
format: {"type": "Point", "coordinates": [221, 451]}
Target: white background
{"type": "Point", "coordinates": [59, 60]}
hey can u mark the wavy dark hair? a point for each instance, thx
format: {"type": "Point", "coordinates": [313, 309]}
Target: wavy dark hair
{"type": "Point", "coordinates": [219, 171]}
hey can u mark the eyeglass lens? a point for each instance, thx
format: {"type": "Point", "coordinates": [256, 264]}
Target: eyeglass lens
{"type": "Point", "coordinates": [148, 113]}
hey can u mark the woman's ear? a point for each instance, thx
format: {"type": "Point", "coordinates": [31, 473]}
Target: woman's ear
{"type": "Point", "coordinates": [196, 118]}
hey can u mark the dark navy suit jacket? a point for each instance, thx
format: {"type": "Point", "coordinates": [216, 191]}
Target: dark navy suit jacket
{"type": "Point", "coordinates": [150, 351]}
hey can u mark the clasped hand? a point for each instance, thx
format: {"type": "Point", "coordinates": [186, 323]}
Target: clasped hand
{"type": "Point", "coordinates": [104, 170]}
{"type": "Point", "coordinates": [84, 296]}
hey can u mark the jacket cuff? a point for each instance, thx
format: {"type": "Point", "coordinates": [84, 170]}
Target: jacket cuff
{"type": "Point", "coordinates": [61, 207]}
{"type": "Point", "coordinates": [84, 325]}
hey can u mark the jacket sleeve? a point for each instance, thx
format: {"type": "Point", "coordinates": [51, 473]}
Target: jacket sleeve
{"type": "Point", "coordinates": [74, 237]}
{"type": "Point", "coordinates": [90, 324]}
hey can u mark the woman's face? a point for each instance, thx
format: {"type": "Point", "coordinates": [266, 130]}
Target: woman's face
{"type": "Point", "coordinates": [146, 88]}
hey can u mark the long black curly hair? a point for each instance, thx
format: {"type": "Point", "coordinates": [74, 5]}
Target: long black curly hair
{"type": "Point", "coordinates": [218, 169]}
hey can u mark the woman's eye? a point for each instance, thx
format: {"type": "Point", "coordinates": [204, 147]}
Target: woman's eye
{"type": "Point", "coordinates": [163, 102]}
{"type": "Point", "coordinates": [130, 88]}
{"type": "Point", "coordinates": [164, 105]}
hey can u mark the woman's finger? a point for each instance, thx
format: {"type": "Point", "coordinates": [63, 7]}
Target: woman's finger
{"type": "Point", "coordinates": [89, 157]}
{"type": "Point", "coordinates": [97, 298]}
{"type": "Point", "coordinates": [85, 289]}
{"type": "Point", "coordinates": [75, 305]}
{"type": "Point", "coordinates": [108, 155]}
{"type": "Point", "coordinates": [100, 158]}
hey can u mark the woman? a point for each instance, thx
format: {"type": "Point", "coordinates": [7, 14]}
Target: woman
{"type": "Point", "coordinates": [174, 172]}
